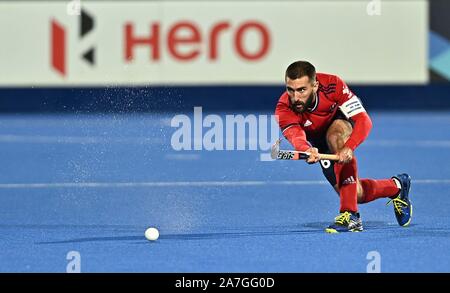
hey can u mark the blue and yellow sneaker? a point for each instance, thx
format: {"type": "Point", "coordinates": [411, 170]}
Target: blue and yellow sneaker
{"type": "Point", "coordinates": [402, 204]}
{"type": "Point", "coordinates": [346, 222]}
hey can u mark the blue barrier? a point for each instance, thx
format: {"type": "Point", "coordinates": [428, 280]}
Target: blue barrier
{"type": "Point", "coordinates": [211, 98]}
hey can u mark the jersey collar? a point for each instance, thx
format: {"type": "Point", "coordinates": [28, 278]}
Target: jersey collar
{"type": "Point", "coordinates": [315, 104]}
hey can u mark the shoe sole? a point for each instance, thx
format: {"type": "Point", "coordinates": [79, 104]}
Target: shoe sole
{"type": "Point", "coordinates": [334, 231]}
{"type": "Point", "coordinates": [331, 231]}
{"type": "Point", "coordinates": [410, 217]}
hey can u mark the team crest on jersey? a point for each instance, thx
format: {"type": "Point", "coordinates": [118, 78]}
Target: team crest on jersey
{"type": "Point", "coordinates": [333, 107]}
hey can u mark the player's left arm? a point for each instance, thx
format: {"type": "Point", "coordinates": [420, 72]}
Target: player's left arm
{"type": "Point", "coordinates": [352, 107]}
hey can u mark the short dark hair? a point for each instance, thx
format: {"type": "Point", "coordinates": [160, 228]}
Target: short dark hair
{"type": "Point", "coordinates": [299, 69]}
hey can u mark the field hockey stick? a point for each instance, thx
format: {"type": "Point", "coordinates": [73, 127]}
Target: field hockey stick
{"type": "Point", "coordinates": [278, 154]}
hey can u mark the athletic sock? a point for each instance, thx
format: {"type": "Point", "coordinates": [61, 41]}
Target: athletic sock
{"type": "Point", "coordinates": [373, 189]}
{"type": "Point", "coordinates": [346, 175]}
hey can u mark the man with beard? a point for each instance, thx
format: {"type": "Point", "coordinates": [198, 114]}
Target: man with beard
{"type": "Point", "coordinates": [319, 114]}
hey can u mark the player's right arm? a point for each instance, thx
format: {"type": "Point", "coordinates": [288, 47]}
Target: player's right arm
{"type": "Point", "coordinates": [292, 130]}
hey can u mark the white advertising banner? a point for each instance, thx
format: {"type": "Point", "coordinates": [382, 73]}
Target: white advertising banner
{"type": "Point", "coordinates": [63, 43]}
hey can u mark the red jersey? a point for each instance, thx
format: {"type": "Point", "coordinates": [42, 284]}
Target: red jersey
{"type": "Point", "coordinates": [333, 95]}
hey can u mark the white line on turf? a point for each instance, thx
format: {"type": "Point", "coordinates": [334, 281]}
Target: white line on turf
{"type": "Point", "coordinates": [7, 138]}
{"type": "Point", "coordinates": [13, 138]}
{"type": "Point", "coordinates": [182, 184]}
{"type": "Point", "coordinates": [409, 143]}
{"type": "Point", "coordinates": [182, 157]}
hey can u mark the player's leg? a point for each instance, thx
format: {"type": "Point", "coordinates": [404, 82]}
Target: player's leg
{"type": "Point", "coordinates": [367, 190]}
{"type": "Point", "coordinates": [345, 181]}
{"type": "Point", "coordinates": [346, 174]}
{"type": "Point", "coordinates": [381, 188]}
{"type": "Point", "coordinates": [359, 191]}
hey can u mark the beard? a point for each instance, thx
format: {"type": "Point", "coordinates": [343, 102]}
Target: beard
{"type": "Point", "coordinates": [301, 107]}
